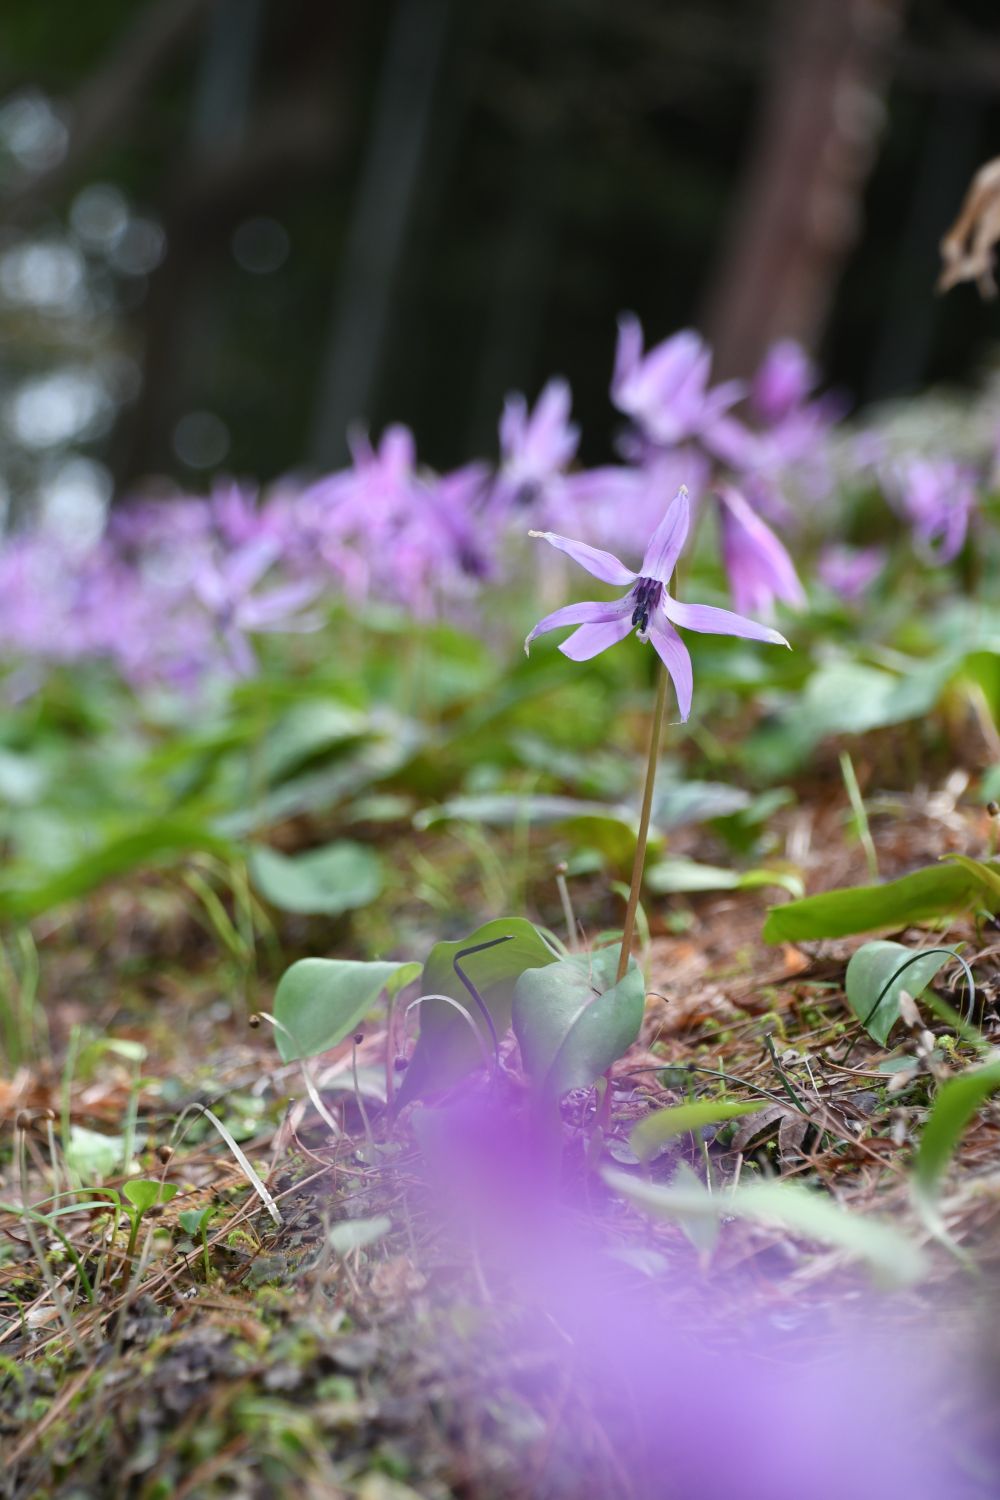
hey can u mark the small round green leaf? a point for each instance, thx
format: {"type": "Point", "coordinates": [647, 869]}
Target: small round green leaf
{"type": "Point", "coordinates": [143, 1193]}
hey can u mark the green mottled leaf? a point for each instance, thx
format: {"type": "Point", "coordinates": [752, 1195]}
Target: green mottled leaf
{"type": "Point", "coordinates": [573, 1020]}
{"type": "Point", "coordinates": [877, 975]}
{"type": "Point", "coordinates": [320, 1000]}
{"type": "Point", "coordinates": [447, 1048]}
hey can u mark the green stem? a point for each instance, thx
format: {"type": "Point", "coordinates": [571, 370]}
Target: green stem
{"type": "Point", "coordinates": [647, 806]}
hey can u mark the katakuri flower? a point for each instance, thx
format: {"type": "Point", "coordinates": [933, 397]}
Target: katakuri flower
{"type": "Point", "coordinates": [757, 564]}
{"type": "Point", "coordinates": [648, 608]}
{"type": "Point", "coordinates": [666, 394]}
{"type": "Point", "coordinates": [937, 497]}
{"type": "Point", "coordinates": [536, 447]}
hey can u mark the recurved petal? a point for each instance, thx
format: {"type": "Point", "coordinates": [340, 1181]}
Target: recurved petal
{"type": "Point", "coordinates": [675, 657]}
{"type": "Point", "coordinates": [667, 540]}
{"type": "Point", "coordinates": [711, 621]}
{"type": "Point", "coordinates": [603, 565]}
{"type": "Point", "coordinates": [589, 612]}
{"type": "Point", "coordinates": [591, 640]}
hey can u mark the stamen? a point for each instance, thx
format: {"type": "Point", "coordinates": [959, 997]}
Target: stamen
{"type": "Point", "coordinates": [647, 594]}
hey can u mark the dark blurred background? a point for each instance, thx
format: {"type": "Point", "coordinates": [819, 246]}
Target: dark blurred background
{"type": "Point", "coordinates": [230, 227]}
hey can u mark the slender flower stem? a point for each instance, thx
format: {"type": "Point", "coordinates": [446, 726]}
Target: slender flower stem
{"type": "Point", "coordinates": [647, 805]}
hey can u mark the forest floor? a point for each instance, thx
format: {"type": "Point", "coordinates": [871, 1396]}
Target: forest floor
{"type": "Point", "coordinates": [367, 1345]}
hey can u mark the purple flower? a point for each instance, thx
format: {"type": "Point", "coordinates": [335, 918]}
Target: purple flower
{"type": "Point", "coordinates": [850, 571]}
{"type": "Point", "coordinates": [647, 608]}
{"type": "Point", "coordinates": [666, 394]}
{"type": "Point", "coordinates": [620, 505]}
{"type": "Point", "coordinates": [226, 590]}
{"type": "Point", "coordinates": [535, 447]}
{"type": "Point", "coordinates": [785, 378]}
{"type": "Point", "coordinates": [937, 497]}
{"type": "Point", "coordinates": [757, 565]}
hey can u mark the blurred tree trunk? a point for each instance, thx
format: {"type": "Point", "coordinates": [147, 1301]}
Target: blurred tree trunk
{"type": "Point", "coordinates": [359, 320]}
{"type": "Point", "coordinates": [797, 214]}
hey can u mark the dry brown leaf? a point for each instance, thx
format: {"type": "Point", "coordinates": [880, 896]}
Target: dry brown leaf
{"type": "Point", "coordinates": [968, 248]}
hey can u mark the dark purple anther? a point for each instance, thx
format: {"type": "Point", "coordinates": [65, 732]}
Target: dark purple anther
{"type": "Point", "coordinates": [647, 595]}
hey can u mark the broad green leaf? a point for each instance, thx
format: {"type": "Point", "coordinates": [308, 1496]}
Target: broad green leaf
{"type": "Point", "coordinates": [889, 1254]}
{"type": "Point", "coordinates": [116, 857]}
{"type": "Point", "coordinates": [318, 791]}
{"type": "Point", "coordinates": [679, 803]}
{"type": "Point", "coordinates": [954, 1106]}
{"type": "Point", "coordinates": [447, 1048]}
{"type": "Point", "coordinates": [937, 891]}
{"type": "Point", "coordinates": [610, 829]}
{"type": "Point", "coordinates": [677, 874]}
{"type": "Point", "coordinates": [143, 1193]}
{"type": "Point", "coordinates": [305, 731]}
{"type": "Point", "coordinates": [877, 975]}
{"type": "Point", "coordinates": [339, 877]}
{"type": "Point", "coordinates": [573, 1020]}
{"type": "Point", "coordinates": [320, 1000]}
{"type": "Point", "coordinates": [600, 1034]}
{"type": "Point", "coordinates": [548, 1000]}
{"type": "Point", "coordinates": [675, 805]}
{"type": "Point", "coordinates": [682, 1119]}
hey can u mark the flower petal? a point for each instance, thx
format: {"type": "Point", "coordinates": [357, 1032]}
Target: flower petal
{"type": "Point", "coordinates": [667, 540]}
{"type": "Point", "coordinates": [757, 563]}
{"type": "Point", "coordinates": [711, 621]}
{"type": "Point", "coordinates": [628, 352]}
{"type": "Point", "coordinates": [591, 640]}
{"type": "Point", "coordinates": [675, 657]}
{"type": "Point", "coordinates": [603, 565]}
{"type": "Point", "coordinates": [589, 612]}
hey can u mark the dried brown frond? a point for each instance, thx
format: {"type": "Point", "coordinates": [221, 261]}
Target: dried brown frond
{"type": "Point", "coordinates": [967, 250]}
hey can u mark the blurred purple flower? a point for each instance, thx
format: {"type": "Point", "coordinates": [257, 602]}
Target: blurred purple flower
{"type": "Point", "coordinates": [818, 1395]}
{"type": "Point", "coordinates": [225, 588]}
{"type": "Point", "coordinates": [535, 447]}
{"type": "Point", "coordinates": [239, 518]}
{"type": "Point", "coordinates": [756, 562]}
{"type": "Point", "coordinates": [850, 571]}
{"type": "Point", "coordinates": [937, 497]}
{"type": "Point", "coordinates": [385, 528]}
{"type": "Point", "coordinates": [665, 392]}
{"type": "Point", "coordinates": [782, 383]}
{"type": "Point", "coordinates": [647, 608]}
